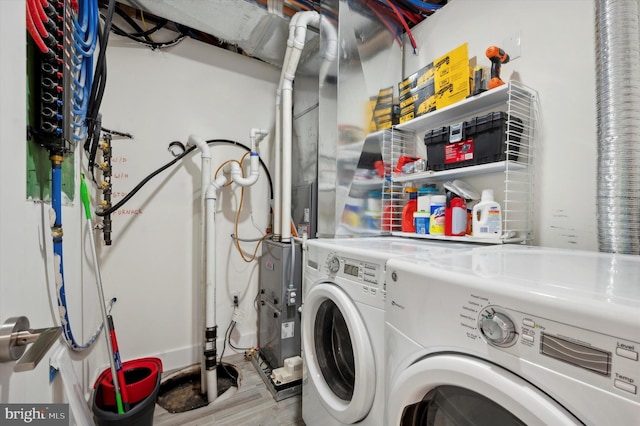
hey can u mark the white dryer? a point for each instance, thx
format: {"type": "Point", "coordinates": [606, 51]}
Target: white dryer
{"type": "Point", "coordinates": [343, 326]}
{"type": "Point", "coordinates": [514, 335]}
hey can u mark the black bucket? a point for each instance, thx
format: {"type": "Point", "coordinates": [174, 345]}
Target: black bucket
{"type": "Point", "coordinates": [139, 414]}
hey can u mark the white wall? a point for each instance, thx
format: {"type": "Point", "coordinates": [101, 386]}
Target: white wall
{"type": "Point", "coordinates": [152, 266]}
{"type": "Point", "coordinates": [27, 286]}
{"type": "Point", "coordinates": [558, 60]}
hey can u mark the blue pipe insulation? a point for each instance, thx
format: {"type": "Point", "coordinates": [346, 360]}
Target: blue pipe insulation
{"type": "Point", "coordinates": [56, 204]}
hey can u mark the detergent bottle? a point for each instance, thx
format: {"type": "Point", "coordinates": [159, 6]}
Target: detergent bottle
{"type": "Point", "coordinates": [487, 217]}
{"type": "Point", "coordinates": [408, 210]}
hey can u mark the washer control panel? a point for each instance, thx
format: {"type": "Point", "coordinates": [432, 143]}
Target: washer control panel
{"type": "Point", "coordinates": [580, 353]}
{"type": "Point", "coordinates": [497, 328]}
{"type": "Point", "coordinates": [353, 269]}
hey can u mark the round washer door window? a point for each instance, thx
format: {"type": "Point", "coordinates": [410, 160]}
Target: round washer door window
{"type": "Point", "coordinates": [338, 353]}
{"type": "Point", "coordinates": [453, 405]}
{"type": "Point", "coordinates": [333, 349]}
{"type": "Point", "coordinates": [457, 389]}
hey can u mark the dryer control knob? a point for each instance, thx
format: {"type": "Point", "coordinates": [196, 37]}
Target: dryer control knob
{"type": "Point", "coordinates": [497, 328]}
{"type": "Point", "coordinates": [333, 264]}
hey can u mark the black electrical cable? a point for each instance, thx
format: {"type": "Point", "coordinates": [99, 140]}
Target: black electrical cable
{"type": "Point", "coordinates": [224, 342]}
{"type": "Point", "coordinates": [172, 162]}
{"type": "Point", "coordinates": [152, 44]}
{"type": "Point", "coordinates": [229, 339]}
{"type": "Point", "coordinates": [141, 36]}
{"type": "Point", "coordinates": [97, 89]}
{"type": "Point", "coordinates": [131, 22]}
{"type": "Point", "coordinates": [143, 183]}
{"type": "Point", "coordinates": [160, 25]}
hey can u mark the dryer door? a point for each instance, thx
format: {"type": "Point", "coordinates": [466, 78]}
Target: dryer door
{"type": "Point", "coordinates": [338, 353]}
{"type": "Point", "coordinates": [450, 389]}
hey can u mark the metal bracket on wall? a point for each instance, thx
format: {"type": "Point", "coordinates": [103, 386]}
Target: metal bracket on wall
{"type": "Point", "coordinates": [15, 335]}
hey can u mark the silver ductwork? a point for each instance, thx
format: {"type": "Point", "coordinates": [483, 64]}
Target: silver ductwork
{"type": "Point", "coordinates": [368, 60]}
{"type": "Point", "coordinates": [618, 111]}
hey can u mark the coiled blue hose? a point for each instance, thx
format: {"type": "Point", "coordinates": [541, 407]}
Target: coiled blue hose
{"type": "Point", "coordinates": [56, 204]}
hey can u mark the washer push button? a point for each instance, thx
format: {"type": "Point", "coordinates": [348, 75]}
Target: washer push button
{"type": "Point", "coordinates": [626, 353]}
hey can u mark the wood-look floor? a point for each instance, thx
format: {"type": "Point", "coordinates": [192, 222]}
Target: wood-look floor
{"type": "Point", "coordinates": [252, 404]}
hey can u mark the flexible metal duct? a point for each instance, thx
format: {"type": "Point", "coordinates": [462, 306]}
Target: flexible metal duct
{"type": "Point", "coordinates": [618, 110]}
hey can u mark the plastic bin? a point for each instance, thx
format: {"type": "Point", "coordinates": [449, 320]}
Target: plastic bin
{"type": "Point", "coordinates": [480, 140]}
{"type": "Point", "coordinates": [143, 382]}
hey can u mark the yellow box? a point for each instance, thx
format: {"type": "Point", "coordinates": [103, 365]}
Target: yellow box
{"type": "Point", "coordinates": [416, 79]}
{"type": "Point", "coordinates": [382, 114]}
{"type": "Point", "coordinates": [420, 100]}
{"type": "Point", "coordinates": [442, 82]}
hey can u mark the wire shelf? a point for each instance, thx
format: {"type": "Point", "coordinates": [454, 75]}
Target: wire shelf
{"type": "Point", "coordinates": [516, 187]}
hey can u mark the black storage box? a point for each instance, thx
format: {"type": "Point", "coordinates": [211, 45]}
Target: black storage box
{"type": "Point", "coordinates": [480, 140]}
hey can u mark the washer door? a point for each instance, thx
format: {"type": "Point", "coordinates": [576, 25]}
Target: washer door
{"type": "Point", "coordinates": [338, 353]}
{"type": "Point", "coordinates": [455, 389]}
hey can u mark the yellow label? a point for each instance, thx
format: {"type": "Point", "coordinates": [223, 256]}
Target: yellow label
{"type": "Point", "coordinates": [381, 112]}
{"type": "Point", "coordinates": [427, 106]}
{"type": "Point", "coordinates": [407, 117]}
{"type": "Point", "coordinates": [409, 101]}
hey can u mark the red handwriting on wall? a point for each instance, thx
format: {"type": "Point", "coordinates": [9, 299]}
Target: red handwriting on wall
{"type": "Point", "coordinates": [127, 212]}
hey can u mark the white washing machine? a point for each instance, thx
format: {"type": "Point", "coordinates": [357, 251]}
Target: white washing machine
{"type": "Point", "coordinates": [343, 326]}
{"type": "Point", "coordinates": [514, 335]}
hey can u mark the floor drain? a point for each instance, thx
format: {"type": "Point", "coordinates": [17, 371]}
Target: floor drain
{"type": "Point", "coordinates": [180, 391]}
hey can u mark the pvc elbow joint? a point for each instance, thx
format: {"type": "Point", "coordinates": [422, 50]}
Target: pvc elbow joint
{"type": "Point", "coordinates": [215, 186]}
{"type": "Point", "coordinates": [258, 135]}
{"type": "Point", "coordinates": [202, 145]}
{"type": "Point", "coordinates": [236, 175]}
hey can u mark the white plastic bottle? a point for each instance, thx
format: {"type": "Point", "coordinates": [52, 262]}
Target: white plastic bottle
{"type": "Point", "coordinates": [487, 217]}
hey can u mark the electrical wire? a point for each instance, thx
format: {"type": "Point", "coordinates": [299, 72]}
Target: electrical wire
{"type": "Point", "coordinates": [233, 326]}
{"type": "Point", "coordinates": [141, 36]}
{"type": "Point", "coordinates": [387, 24]}
{"type": "Point", "coordinates": [404, 24]}
{"type": "Point", "coordinates": [424, 6]}
{"type": "Point", "coordinates": [153, 174]}
{"type": "Point", "coordinates": [239, 211]}
{"type": "Point", "coordinates": [97, 90]}
{"type": "Point", "coordinates": [141, 184]}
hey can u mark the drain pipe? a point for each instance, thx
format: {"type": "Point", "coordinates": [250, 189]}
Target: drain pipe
{"type": "Point", "coordinates": [618, 111]}
{"type": "Point", "coordinates": [330, 48]}
{"type": "Point", "coordinates": [256, 136]}
{"type": "Point", "coordinates": [277, 198]}
{"type": "Point", "coordinates": [205, 174]}
{"type": "Point", "coordinates": [211, 328]}
{"type": "Point", "coordinates": [288, 72]}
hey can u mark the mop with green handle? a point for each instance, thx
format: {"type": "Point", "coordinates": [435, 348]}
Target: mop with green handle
{"type": "Point", "coordinates": [114, 357]}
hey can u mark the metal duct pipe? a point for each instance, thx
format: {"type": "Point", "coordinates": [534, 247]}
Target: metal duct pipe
{"type": "Point", "coordinates": [618, 110]}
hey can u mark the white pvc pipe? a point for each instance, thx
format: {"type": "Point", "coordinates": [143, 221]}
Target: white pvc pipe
{"type": "Point", "coordinates": [277, 193]}
{"type": "Point", "coordinates": [203, 146]}
{"type": "Point", "coordinates": [330, 48]}
{"type": "Point", "coordinates": [210, 287]}
{"type": "Point", "coordinates": [205, 174]}
{"type": "Point", "coordinates": [288, 73]}
{"type": "Point", "coordinates": [236, 171]}
{"type": "Point", "coordinates": [287, 119]}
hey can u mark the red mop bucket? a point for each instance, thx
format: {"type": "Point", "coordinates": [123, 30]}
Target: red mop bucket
{"type": "Point", "coordinates": [140, 376]}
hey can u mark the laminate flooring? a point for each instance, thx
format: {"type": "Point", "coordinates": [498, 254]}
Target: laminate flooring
{"type": "Point", "coordinates": [252, 404]}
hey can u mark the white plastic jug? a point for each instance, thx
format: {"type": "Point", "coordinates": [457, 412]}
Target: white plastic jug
{"type": "Point", "coordinates": [487, 217]}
